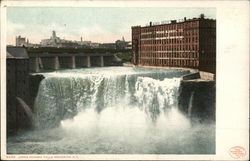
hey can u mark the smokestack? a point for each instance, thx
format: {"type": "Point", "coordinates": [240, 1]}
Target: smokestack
{"type": "Point", "coordinates": [150, 23]}
{"type": "Point", "coordinates": [185, 18]}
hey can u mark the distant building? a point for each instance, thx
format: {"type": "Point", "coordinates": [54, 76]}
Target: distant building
{"type": "Point", "coordinates": [17, 86]}
{"type": "Point", "coordinates": [94, 45]}
{"type": "Point", "coordinates": [84, 43]}
{"type": "Point", "coordinates": [21, 41]}
{"type": "Point", "coordinates": [188, 43]}
{"type": "Point", "coordinates": [87, 44]}
{"type": "Point", "coordinates": [67, 44]}
{"type": "Point", "coordinates": [55, 41]}
{"type": "Point", "coordinates": [108, 46]}
{"type": "Point", "coordinates": [129, 45]}
{"type": "Point", "coordinates": [121, 44]}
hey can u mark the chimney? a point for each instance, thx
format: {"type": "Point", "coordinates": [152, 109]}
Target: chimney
{"type": "Point", "coordinates": [150, 23]}
{"type": "Point", "coordinates": [185, 18]}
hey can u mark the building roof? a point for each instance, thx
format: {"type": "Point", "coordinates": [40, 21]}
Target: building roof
{"type": "Point", "coordinates": [17, 52]}
{"type": "Point", "coordinates": [9, 55]}
{"type": "Point", "coordinates": [171, 22]}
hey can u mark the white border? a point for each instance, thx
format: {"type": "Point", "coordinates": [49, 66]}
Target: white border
{"type": "Point", "coordinates": [3, 79]}
{"type": "Point", "coordinates": [232, 84]}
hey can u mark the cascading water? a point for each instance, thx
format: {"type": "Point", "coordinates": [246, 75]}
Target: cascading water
{"type": "Point", "coordinates": [64, 95]}
{"type": "Point", "coordinates": [113, 110]}
{"type": "Point", "coordinates": [190, 104]}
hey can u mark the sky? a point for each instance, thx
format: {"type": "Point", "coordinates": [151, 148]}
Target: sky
{"type": "Point", "coordinates": [96, 24]}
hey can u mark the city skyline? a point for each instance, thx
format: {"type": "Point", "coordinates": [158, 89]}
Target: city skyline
{"type": "Point", "coordinates": [94, 24]}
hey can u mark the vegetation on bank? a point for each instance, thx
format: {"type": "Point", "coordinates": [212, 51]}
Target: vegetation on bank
{"type": "Point", "coordinates": [125, 56]}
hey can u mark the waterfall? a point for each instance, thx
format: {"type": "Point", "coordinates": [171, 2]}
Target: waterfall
{"type": "Point", "coordinates": [155, 96]}
{"type": "Point", "coordinates": [63, 96]}
{"type": "Point", "coordinates": [190, 104]}
{"type": "Point", "coordinates": [114, 110]}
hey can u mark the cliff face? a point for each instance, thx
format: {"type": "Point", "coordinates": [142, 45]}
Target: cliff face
{"type": "Point", "coordinates": [197, 100]}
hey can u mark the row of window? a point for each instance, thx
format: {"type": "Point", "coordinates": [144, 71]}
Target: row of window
{"type": "Point", "coordinates": [171, 26]}
{"type": "Point", "coordinates": [171, 40]}
{"type": "Point", "coordinates": [163, 34]}
{"type": "Point", "coordinates": [176, 48]}
{"type": "Point", "coordinates": [171, 55]}
{"type": "Point", "coordinates": [173, 63]}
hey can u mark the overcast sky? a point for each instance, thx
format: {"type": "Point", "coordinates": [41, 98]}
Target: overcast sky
{"type": "Point", "coordinates": [97, 24]}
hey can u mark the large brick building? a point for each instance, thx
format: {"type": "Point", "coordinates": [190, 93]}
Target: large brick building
{"type": "Point", "coordinates": [189, 43]}
{"type": "Point", "coordinates": [17, 86]}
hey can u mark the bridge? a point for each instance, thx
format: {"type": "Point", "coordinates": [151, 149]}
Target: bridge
{"type": "Point", "coordinates": [55, 61]}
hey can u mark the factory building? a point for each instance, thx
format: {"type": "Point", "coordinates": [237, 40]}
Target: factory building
{"type": "Point", "coordinates": [188, 43]}
{"type": "Point", "coordinates": [17, 66]}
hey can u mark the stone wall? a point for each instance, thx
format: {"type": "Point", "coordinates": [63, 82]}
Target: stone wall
{"type": "Point", "coordinates": [207, 75]}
